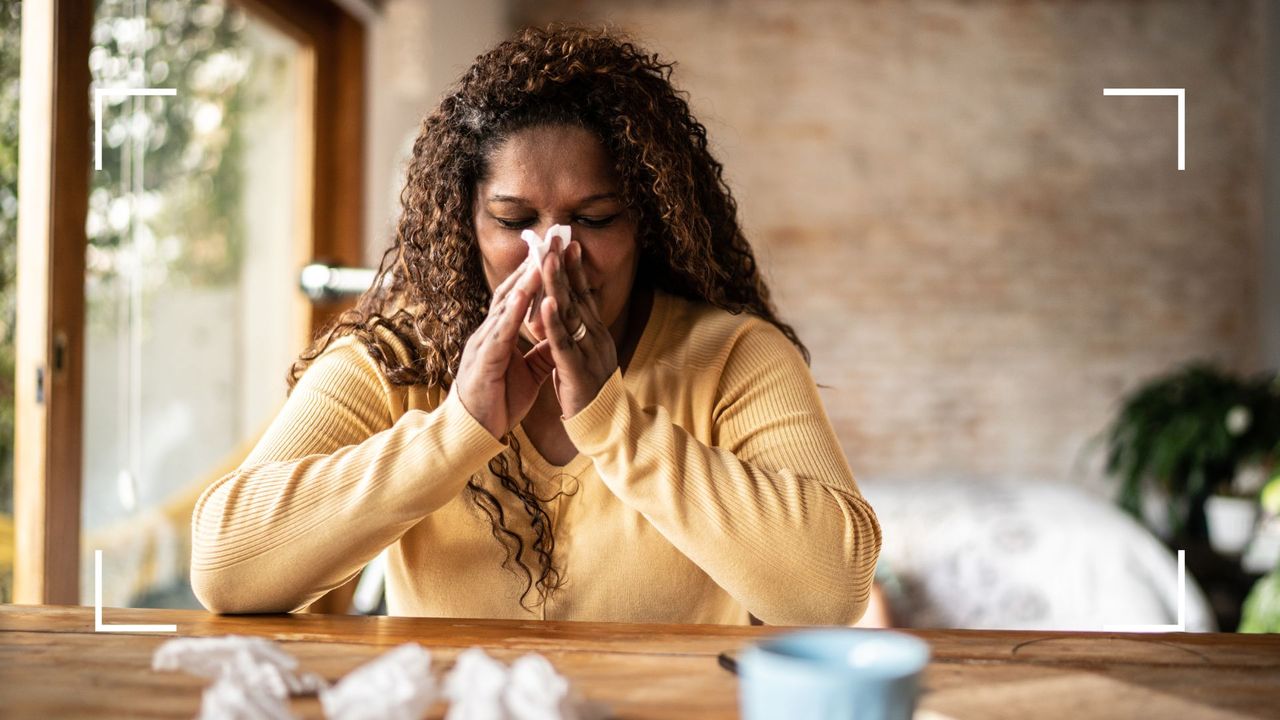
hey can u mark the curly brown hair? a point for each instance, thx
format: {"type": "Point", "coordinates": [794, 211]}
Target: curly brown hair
{"type": "Point", "coordinates": [430, 288]}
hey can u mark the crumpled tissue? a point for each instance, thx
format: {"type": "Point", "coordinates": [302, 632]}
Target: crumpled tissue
{"type": "Point", "coordinates": [227, 699]}
{"type": "Point", "coordinates": [535, 691]}
{"type": "Point", "coordinates": [481, 688]}
{"type": "Point", "coordinates": [397, 685]}
{"type": "Point", "coordinates": [474, 687]}
{"type": "Point", "coordinates": [538, 249]}
{"type": "Point", "coordinates": [253, 676]}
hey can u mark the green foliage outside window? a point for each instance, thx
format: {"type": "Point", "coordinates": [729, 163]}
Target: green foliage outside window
{"type": "Point", "coordinates": [188, 215]}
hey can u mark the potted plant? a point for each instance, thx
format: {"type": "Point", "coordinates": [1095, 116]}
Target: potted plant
{"type": "Point", "coordinates": [1187, 436]}
{"type": "Point", "coordinates": [1261, 611]}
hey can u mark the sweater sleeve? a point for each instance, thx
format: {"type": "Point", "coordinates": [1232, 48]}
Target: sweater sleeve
{"type": "Point", "coordinates": [770, 510]}
{"type": "Point", "coordinates": [331, 483]}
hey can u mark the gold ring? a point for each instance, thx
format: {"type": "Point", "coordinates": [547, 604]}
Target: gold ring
{"type": "Point", "coordinates": [580, 333]}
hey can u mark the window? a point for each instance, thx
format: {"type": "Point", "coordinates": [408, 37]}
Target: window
{"type": "Point", "coordinates": [160, 304]}
{"type": "Point", "coordinates": [192, 310]}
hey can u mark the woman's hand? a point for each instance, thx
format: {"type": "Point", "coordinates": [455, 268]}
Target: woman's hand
{"type": "Point", "coordinates": [583, 366]}
{"type": "Point", "coordinates": [496, 383]}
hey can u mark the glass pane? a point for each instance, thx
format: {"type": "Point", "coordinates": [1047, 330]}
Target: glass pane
{"type": "Point", "coordinates": [10, 29]}
{"type": "Point", "coordinates": [193, 314]}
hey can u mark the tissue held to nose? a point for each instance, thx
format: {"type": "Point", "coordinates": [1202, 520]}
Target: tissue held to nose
{"type": "Point", "coordinates": [539, 247]}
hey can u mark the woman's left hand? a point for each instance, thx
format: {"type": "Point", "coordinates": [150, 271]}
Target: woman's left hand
{"type": "Point", "coordinates": [582, 366]}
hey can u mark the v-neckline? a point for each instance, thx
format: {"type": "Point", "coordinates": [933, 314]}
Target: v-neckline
{"type": "Point", "coordinates": [639, 358]}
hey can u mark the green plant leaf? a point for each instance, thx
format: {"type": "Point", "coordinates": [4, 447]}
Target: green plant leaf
{"type": "Point", "coordinates": [1261, 610]}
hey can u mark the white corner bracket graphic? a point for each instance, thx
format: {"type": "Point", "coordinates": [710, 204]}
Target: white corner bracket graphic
{"type": "Point", "coordinates": [1181, 94]}
{"type": "Point", "coordinates": [1182, 606]}
{"type": "Point", "coordinates": [97, 606]}
{"type": "Point", "coordinates": [98, 94]}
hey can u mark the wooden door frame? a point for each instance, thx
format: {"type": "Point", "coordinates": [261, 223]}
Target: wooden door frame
{"type": "Point", "coordinates": [336, 40]}
{"type": "Point", "coordinates": [54, 163]}
{"type": "Point", "coordinates": [53, 200]}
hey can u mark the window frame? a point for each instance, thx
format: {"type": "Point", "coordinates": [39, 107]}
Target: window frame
{"type": "Point", "coordinates": [55, 150]}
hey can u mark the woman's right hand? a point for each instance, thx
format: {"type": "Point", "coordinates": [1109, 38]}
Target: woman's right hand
{"type": "Point", "coordinates": [496, 383]}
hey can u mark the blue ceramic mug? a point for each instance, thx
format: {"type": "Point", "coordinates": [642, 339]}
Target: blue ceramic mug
{"type": "Point", "coordinates": [832, 674]}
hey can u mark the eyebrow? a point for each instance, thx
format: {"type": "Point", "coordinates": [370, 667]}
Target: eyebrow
{"type": "Point", "coordinates": [583, 201]}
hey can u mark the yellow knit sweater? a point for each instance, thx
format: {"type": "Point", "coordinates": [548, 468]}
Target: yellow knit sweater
{"type": "Point", "coordinates": [709, 485]}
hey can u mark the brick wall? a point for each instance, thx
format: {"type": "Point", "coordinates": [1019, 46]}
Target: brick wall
{"type": "Point", "coordinates": [981, 250]}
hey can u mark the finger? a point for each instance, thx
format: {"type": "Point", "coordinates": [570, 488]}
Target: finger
{"type": "Point", "coordinates": [499, 339]}
{"type": "Point", "coordinates": [510, 282]}
{"type": "Point", "coordinates": [533, 320]}
{"type": "Point", "coordinates": [500, 294]}
{"type": "Point", "coordinates": [530, 281]}
{"type": "Point", "coordinates": [564, 351]}
{"type": "Point", "coordinates": [577, 275]}
{"type": "Point", "coordinates": [525, 278]}
{"type": "Point", "coordinates": [512, 313]}
{"type": "Point", "coordinates": [557, 284]}
{"type": "Point", "coordinates": [540, 361]}
{"type": "Point", "coordinates": [532, 285]}
{"type": "Point", "coordinates": [578, 281]}
{"type": "Point", "coordinates": [505, 286]}
{"type": "Point", "coordinates": [511, 279]}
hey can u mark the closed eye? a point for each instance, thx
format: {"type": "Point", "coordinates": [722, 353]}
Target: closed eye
{"type": "Point", "coordinates": [596, 222]}
{"type": "Point", "coordinates": [514, 224]}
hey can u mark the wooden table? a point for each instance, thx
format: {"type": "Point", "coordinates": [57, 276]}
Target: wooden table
{"type": "Point", "coordinates": [52, 664]}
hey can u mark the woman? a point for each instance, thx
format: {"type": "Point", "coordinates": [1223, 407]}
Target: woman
{"type": "Point", "coordinates": [648, 446]}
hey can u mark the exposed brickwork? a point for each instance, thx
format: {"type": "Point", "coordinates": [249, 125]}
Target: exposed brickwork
{"type": "Point", "coordinates": [981, 250]}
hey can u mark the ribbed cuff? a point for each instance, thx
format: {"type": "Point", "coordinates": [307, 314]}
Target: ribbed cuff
{"type": "Point", "coordinates": [595, 425]}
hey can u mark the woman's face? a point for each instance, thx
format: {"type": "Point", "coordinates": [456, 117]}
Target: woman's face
{"type": "Point", "coordinates": [558, 174]}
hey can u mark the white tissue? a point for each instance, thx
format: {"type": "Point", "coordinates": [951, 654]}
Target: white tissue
{"type": "Point", "coordinates": [253, 677]}
{"type": "Point", "coordinates": [481, 688]}
{"type": "Point", "coordinates": [540, 246]}
{"type": "Point", "coordinates": [227, 699]}
{"type": "Point", "coordinates": [249, 661]}
{"type": "Point", "coordinates": [207, 657]}
{"type": "Point", "coordinates": [535, 691]}
{"type": "Point", "coordinates": [474, 687]}
{"type": "Point", "coordinates": [538, 249]}
{"type": "Point", "coordinates": [396, 686]}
